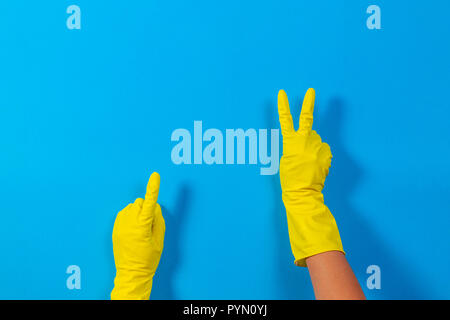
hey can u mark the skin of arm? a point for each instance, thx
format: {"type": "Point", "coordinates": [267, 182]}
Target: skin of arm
{"type": "Point", "coordinates": [333, 278]}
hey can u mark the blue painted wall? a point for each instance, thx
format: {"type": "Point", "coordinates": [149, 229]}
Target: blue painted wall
{"type": "Point", "coordinates": [86, 115]}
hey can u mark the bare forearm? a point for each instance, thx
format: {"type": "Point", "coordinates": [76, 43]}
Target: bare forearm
{"type": "Point", "coordinates": [333, 278]}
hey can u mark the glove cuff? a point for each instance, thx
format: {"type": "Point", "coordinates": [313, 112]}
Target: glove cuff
{"type": "Point", "coordinates": [132, 285]}
{"type": "Point", "coordinates": [312, 229]}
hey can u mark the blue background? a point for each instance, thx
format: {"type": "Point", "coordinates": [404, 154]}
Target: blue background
{"type": "Point", "coordinates": [86, 115]}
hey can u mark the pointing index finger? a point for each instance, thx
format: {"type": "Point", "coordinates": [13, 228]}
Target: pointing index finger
{"type": "Point", "coordinates": [151, 197]}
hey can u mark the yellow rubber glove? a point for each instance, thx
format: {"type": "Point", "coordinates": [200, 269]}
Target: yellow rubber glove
{"type": "Point", "coordinates": [138, 240]}
{"type": "Point", "coordinates": [303, 169]}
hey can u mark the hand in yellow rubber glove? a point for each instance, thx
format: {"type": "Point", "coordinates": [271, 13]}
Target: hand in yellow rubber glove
{"type": "Point", "coordinates": [138, 239]}
{"type": "Point", "coordinates": [303, 169]}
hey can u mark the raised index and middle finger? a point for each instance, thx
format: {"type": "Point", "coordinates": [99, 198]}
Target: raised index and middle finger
{"type": "Point", "coordinates": [306, 114]}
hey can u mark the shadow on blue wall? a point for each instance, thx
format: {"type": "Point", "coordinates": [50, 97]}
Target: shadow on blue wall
{"type": "Point", "coordinates": [363, 246]}
{"type": "Point", "coordinates": [163, 285]}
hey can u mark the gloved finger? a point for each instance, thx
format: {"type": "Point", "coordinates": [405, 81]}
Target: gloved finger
{"type": "Point", "coordinates": [316, 136]}
{"type": "Point", "coordinates": [120, 216]}
{"type": "Point", "coordinates": [326, 155]}
{"type": "Point", "coordinates": [284, 114]}
{"type": "Point", "coordinates": [139, 202]}
{"type": "Point", "coordinates": [327, 150]}
{"type": "Point", "coordinates": [151, 196]}
{"type": "Point", "coordinates": [158, 227]}
{"type": "Point", "coordinates": [306, 115]}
